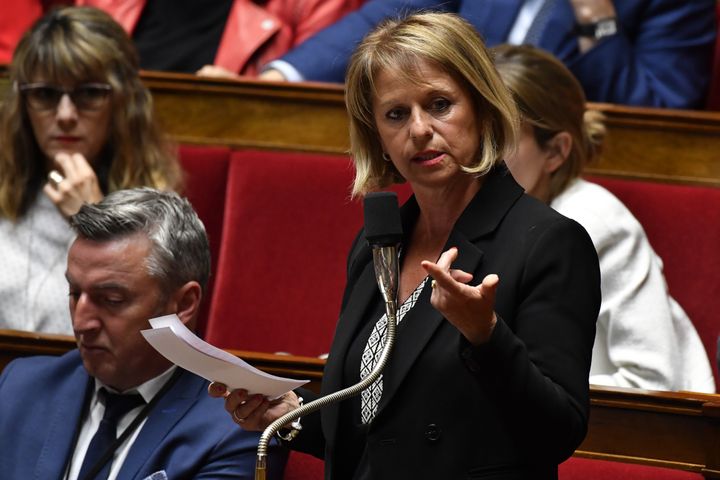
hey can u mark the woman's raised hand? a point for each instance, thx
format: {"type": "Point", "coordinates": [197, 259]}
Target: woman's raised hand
{"type": "Point", "coordinates": [469, 308]}
{"type": "Point", "coordinates": [253, 412]}
{"type": "Point", "coordinates": [72, 183]}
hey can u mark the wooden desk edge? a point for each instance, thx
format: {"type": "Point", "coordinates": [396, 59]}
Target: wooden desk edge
{"type": "Point", "coordinates": [697, 413]}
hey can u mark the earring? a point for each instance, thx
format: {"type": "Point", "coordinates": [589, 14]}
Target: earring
{"type": "Point", "coordinates": [386, 157]}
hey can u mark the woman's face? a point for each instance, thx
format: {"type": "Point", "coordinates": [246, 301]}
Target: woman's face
{"type": "Point", "coordinates": [526, 163]}
{"type": "Point", "coordinates": [532, 165]}
{"type": "Point", "coordinates": [78, 123]}
{"type": "Point", "coordinates": [428, 129]}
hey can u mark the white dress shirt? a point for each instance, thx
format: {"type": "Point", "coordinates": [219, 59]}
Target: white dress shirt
{"type": "Point", "coordinates": [147, 390]}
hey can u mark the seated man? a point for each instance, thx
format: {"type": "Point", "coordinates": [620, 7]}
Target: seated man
{"type": "Point", "coordinates": [138, 254]}
{"type": "Point", "coordinates": [654, 53]}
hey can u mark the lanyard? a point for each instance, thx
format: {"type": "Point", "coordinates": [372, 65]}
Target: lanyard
{"type": "Point", "coordinates": [125, 434]}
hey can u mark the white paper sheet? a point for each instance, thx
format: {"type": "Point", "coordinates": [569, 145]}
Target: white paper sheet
{"type": "Point", "coordinates": [177, 343]}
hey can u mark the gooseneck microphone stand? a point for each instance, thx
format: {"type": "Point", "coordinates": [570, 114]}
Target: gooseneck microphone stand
{"type": "Point", "coordinates": [383, 231]}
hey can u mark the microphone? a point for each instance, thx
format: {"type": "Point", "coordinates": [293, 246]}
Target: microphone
{"type": "Point", "coordinates": [383, 232]}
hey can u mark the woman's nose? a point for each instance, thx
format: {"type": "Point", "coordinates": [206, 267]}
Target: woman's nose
{"type": "Point", "coordinates": [420, 125]}
{"type": "Point", "coordinates": [66, 110]}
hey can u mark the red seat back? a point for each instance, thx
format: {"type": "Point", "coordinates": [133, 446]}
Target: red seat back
{"type": "Point", "coordinates": [289, 223]}
{"type": "Point", "coordinates": [682, 223]}
{"type": "Point", "coordinates": [206, 170]}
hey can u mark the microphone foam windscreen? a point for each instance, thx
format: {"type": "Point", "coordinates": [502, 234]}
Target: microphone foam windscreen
{"type": "Point", "coordinates": [382, 219]}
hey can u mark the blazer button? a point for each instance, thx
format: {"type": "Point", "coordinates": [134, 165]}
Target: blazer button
{"type": "Point", "coordinates": [432, 433]}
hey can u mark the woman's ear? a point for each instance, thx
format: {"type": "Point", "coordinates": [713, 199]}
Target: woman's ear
{"type": "Point", "coordinates": [558, 149]}
{"type": "Point", "coordinates": [187, 303]}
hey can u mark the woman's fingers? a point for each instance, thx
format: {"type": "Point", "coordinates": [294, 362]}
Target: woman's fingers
{"type": "Point", "coordinates": [66, 164]}
{"type": "Point", "coordinates": [461, 276]}
{"type": "Point", "coordinates": [447, 258]}
{"type": "Point", "coordinates": [250, 411]}
{"type": "Point", "coordinates": [218, 390]}
{"type": "Point", "coordinates": [441, 273]}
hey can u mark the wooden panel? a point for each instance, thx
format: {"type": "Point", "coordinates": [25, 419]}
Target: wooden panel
{"type": "Point", "coordinates": [660, 144]}
{"type": "Point", "coordinates": [15, 343]}
{"type": "Point", "coordinates": [667, 429]}
{"type": "Point", "coordinates": [669, 145]}
{"type": "Point", "coordinates": [251, 113]}
{"type": "Point", "coordinates": [678, 430]}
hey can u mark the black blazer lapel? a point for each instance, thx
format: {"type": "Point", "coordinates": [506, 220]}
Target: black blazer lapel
{"type": "Point", "coordinates": [364, 289]}
{"type": "Point", "coordinates": [420, 323]}
{"type": "Point", "coordinates": [481, 217]}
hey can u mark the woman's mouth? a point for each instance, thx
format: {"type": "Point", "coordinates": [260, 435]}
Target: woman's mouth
{"type": "Point", "coordinates": [67, 139]}
{"type": "Point", "coordinates": [428, 158]}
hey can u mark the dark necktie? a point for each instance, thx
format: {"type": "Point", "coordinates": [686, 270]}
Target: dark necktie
{"type": "Point", "coordinates": [537, 27]}
{"type": "Point", "coordinates": [116, 406]}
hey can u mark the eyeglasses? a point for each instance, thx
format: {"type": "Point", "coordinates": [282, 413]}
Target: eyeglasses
{"type": "Point", "coordinates": [45, 96]}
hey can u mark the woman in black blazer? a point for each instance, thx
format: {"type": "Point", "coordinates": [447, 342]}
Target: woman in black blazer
{"type": "Point", "coordinates": [499, 293]}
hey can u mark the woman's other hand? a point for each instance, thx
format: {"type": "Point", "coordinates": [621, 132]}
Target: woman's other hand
{"type": "Point", "coordinates": [73, 183]}
{"type": "Point", "coordinates": [469, 308]}
{"type": "Point", "coordinates": [253, 412]}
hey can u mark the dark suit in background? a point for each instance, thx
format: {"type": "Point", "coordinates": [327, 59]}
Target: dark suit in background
{"type": "Point", "coordinates": [187, 434]}
{"type": "Point", "coordinates": [661, 57]}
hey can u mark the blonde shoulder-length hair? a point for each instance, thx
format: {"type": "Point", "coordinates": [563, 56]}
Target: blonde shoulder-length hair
{"type": "Point", "coordinates": [398, 45]}
{"type": "Point", "coordinates": [73, 45]}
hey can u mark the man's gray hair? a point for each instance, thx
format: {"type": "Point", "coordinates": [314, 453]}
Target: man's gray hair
{"type": "Point", "coordinates": [180, 251]}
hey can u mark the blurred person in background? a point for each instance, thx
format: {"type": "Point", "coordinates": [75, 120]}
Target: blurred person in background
{"type": "Point", "coordinates": [644, 338]}
{"type": "Point", "coordinates": [77, 123]}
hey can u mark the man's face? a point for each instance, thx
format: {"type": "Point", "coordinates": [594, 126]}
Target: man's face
{"type": "Point", "coordinates": [112, 296]}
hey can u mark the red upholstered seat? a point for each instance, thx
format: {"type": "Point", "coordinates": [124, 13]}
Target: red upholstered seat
{"type": "Point", "coordinates": [206, 170]}
{"type": "Point", "coordinates": [301, 466]}
{"type": "Point", "coordinates": [683, 225]}
{"type": "Point", "coordinates": [289, 223]}
{"type": "Point", "coordinates": [586, 469]}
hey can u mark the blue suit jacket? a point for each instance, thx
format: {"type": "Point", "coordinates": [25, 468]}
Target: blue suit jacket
{"type": "Point", "coordinates": [662, 56]}
{"type": "Point", "coordinates": [188, 434]}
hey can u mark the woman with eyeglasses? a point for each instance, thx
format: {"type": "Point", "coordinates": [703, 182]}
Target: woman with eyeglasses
{"type": "Point", "coordinates": [76, 125]}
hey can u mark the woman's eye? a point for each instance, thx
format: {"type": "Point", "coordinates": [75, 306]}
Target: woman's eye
{"type": "Point", "coordinates": [394, 114]}
{"type": "Point", "coordinates": [440, 104]}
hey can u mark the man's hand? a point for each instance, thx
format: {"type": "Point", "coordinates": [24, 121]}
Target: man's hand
{"type": "Point", "coordinates": [590, 11]}
{"type": "Point", "coordinates": [213, 71]}
{"type": "Point", "coordinates": [272, 75]}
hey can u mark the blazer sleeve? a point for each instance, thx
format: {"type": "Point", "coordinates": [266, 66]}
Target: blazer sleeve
{"type": "Point", "coordinates": [636, 331]}
{"type": "Point", "coordinates": [324, 56]}
{"type": "Point", "coordinates": [663, 60]}
{"type": "Point", "coordinates": [310, 440]}
{"type": "Point", "coordinates": [536, 365]}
